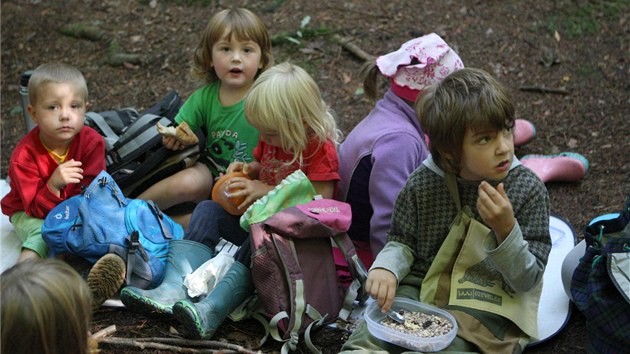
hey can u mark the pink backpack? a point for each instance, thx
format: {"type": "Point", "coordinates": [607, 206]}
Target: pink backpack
{"type": "Point", "coordinates": [294, 271]}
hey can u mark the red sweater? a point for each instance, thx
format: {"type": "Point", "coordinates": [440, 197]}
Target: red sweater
{"type": "Point", "coordinates": [31, 166]}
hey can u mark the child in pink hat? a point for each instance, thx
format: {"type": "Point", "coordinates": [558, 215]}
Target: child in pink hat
{"type": "Point", "coordinates": [380, 153]}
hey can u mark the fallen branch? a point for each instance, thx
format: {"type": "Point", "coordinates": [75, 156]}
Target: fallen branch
{"type": "Point", "coordinates": [177, 345]}
{"type": "Point", "coordinates": [115, 57]}
{"type": "Point", "coordinates": [540, 89]}
{"type": "Point", "coordinates": [353, 48]}
{"type": "Point", "coordinates": [83, 31]}
{"type": "Point", "coordinates": [104, 332]}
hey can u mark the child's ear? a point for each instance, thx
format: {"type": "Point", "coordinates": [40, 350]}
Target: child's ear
{"type": "Point", "coordinates": [446, 154]}
{"type": "Point", "coordinates": [88, 105]}
{"type": "Point", "coordinates": [33, 113]}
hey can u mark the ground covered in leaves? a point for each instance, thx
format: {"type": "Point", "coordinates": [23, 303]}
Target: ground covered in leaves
{"type": "Point", "coordinates": [565, 62]}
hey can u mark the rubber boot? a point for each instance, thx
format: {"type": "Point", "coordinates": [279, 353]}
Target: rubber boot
{"type": "Point", "coordinates": [202, 319]}
{"type": "Point", "coordinates": [184, 257]}
{"type": "Point", "coordinates": [562, 167]}
{"type": "Point", "coordinates": [524, 132]}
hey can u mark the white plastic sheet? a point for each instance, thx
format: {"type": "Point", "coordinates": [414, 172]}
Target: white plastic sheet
{"type": "Point", "coordinates": [204, 278]}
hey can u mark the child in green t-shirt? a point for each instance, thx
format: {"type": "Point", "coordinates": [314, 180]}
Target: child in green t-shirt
{"type": "Point", "coordinates": [234, 49]}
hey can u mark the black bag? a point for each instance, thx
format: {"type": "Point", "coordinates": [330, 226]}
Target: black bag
{"type": "Point", "coordinates": [134, 154]}
{"type": "Point", "coordinates": [600, 285]}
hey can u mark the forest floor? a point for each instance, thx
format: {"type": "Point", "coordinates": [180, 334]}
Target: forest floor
{"type": "Point", "coordinates": [565, 63]}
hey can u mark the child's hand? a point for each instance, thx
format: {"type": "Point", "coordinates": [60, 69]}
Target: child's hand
{"type": "Point", "coordinates": [251, 169]}
{"type": "Point", "coordinates": [381, 284]}
{"type": "Point", "coordinates": [66, 173]}
{"type": "Point", "coordinates": [495, 209]}
{"type": "Point", "coordinates": [172, 143]}
{"type": "Point", "coordinates": [250, 189]}
{"type": "Point", "coordinates": [237, 166]}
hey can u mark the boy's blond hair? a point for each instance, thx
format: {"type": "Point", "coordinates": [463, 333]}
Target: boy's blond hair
{"type": "Point", "coordinates": [55, 73]}
{"type": "Point", "coordinates": [241, 24]}
{"type": "Point", "coordinates": [286, 99]}
{"type": "Point", "coordinates": [46, 308]}
{"type": "Point", "coordinates": [468, 98]}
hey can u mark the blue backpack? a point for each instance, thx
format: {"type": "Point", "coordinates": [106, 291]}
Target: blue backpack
{"type": "Point", "coordinates": [102, 220]}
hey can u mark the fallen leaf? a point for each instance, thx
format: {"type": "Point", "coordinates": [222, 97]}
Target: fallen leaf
{"type": "Point", "coordinates": [572, 143]}
{"type": "Point", "coordinates": [346, 78]}
{"type": "Point", "coordinates": [556, 35]}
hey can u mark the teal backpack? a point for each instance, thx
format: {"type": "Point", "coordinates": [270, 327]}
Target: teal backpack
{"type": "Point", "coordinates": [102, 220]}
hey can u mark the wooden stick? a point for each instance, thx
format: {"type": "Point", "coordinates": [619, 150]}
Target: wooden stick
{"type": "Point", "coordinates": [200, 343]}
{"type": "Point", "coordinates": [353, 48]}
{"type": "Point", "coordinates": [176, 345]}
{"type": "Point", "coordinates": [539, 89]}
{"type": "Point", "coordinates": [104, 332]}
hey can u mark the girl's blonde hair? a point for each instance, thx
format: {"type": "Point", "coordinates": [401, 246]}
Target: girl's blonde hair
{"type": "Point", "coordinates": [57, 73]}
{"type": "Point", "coordinates": [466, 99]}
{"type": "Point", "coordinates": [286, 99]}
{"type": "Point", "coordinates": [45, 309]}
{"type": "Point", "coordinates": [241, 24]}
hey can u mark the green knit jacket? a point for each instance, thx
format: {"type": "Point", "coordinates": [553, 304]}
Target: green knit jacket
{"type": "Point", "coordinates": [425, 210]}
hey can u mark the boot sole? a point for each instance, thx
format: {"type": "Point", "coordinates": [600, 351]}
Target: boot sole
{"type": "Point", "coordinates": [105, 278]}
{"type": "Point", "coordinates": [137, 303]}
{"type": "Point", "coordinates": [185, 312]}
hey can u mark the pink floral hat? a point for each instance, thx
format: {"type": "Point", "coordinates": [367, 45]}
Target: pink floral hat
{"type": "Point", "coordinates": [418, 64]}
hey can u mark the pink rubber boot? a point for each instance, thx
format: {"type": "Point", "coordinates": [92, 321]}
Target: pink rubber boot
{"type": "Point", "coordinates": [562, 167]}
{"type": "Point", "coordinates": [524, 132]}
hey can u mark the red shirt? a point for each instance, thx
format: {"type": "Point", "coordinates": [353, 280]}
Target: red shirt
{"type": "Point", "coordinates": [320, 162]}
{"type": "Point", "coordinates": [31, 166]}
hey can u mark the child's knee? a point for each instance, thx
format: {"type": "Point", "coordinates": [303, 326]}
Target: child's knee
{"type": "Point", "coordinates": [208, 207]}
{"type": "Point", "coordinates": [187, 186]}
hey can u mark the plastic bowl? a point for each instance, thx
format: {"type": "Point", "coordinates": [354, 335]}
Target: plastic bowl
{"type": "Point", "coordinates": [374, 316]}
{"type": "Point", "coordinates": [220, 194]}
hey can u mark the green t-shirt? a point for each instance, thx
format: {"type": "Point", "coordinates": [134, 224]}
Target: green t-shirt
{"type": "Point", "coordinates": [229, 137]}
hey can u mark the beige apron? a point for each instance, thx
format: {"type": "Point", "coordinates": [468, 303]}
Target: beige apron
{"type": "Point", "coordinates": [462, 275]}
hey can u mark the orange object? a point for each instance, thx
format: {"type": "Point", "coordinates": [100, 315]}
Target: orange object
{"type": "Point", "coordinates": [220, 193]}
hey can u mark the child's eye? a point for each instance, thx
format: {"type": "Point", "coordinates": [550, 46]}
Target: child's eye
{"type": "Point", "coordinates": [483, 140]}
{"type": "Point", "coordinates": [248, 50]}
{"type": "Point", "coordinates": [52, 107]}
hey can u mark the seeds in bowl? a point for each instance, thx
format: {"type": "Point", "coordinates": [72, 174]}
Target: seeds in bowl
{"type": "Point", "coordinates": [420, 324]}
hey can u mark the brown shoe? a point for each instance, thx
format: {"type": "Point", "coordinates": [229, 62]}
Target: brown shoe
{"type": "Point", "coordinates": [105, 278]}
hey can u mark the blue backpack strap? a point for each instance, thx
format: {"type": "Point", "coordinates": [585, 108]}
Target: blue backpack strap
{"type": "Point", "coordinates": [160, 218]}
{"type": "Point", "coordinates": [134, 245]}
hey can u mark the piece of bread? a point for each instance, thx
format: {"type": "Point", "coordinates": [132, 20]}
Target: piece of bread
{"type": "Point", "coordinates": [182, 133]}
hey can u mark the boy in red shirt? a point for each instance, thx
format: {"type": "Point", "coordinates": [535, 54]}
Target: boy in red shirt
{"type": "Point", "coordinates": [56, 159]}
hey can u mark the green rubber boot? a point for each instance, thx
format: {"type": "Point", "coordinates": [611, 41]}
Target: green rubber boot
{"type": "Point", "coordinates": [202, 319]}
{"type": "Point", "coordinates": [184, 257]}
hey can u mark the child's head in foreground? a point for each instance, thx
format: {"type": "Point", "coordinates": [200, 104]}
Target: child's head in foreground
{"type": "Point", "coordinates": [286, 107]}
{"type": "Point", "coordinates": [46, 308]}
{"type": "Point", "coordinates": [58, 96]}
{"type": "Point", "coordinates": [469, 117]}
{"type": "Point", "coordinates": [231, 26]}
